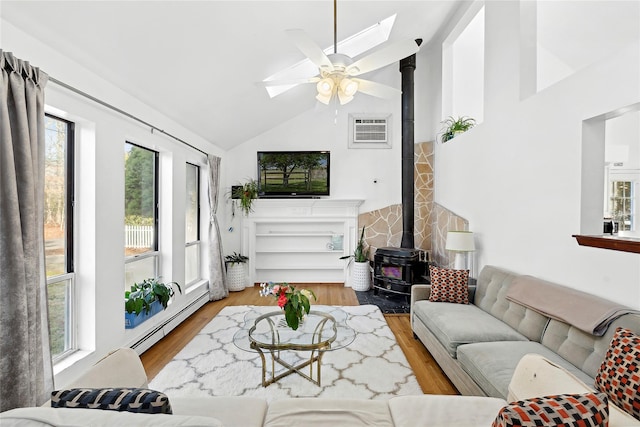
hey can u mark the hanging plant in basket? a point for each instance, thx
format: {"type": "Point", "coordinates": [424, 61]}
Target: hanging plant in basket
{"type": "Point", "coordinates": [243, 196]}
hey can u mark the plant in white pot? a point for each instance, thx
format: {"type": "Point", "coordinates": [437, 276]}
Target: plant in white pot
{"type": "Point", "coordinates": [360, 271]}
{"type": "Point", "coordinates": [236, 271]}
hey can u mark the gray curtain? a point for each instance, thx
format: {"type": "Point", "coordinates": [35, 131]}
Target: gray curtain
{"type": "Point", "coordinates": [217, 274]}
{"type": "Point", "coordinates": [26, 374]}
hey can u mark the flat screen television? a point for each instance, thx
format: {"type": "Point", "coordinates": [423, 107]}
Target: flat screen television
{"type": "Point", "coordinates": [293, 173]}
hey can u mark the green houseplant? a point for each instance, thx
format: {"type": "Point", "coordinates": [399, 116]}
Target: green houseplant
{"type": "Point", "coordinates": [453, 127]}
{"type": "Point", "coordinates": [360, 254]}
{"type": "Point", "coordinates": [236, 258]}
{"type": "Point", "coordinates": [360, 274]}
{"type": "Point", "coordinates": [142, 295]}
{"type": "Point", "coordinates": [243, 196]}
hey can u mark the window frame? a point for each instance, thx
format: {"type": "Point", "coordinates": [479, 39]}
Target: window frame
{"type": "Point", "coordinates": [154, 252]}
{"type": "Point", "coordinates": [71, 316]}
{"type": "Point", "coordinates": [198, 240]}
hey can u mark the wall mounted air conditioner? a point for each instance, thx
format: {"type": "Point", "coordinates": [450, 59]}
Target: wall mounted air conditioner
{"type": "Point", "coordinates": [367, 131]}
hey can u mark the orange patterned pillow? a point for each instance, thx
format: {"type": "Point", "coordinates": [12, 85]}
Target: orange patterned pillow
{"type": "Point", "coordinates": [563, 410]}
{"type": "Point", "coordinates": [449, 285]}
{"type": "Point", "coordinates": [619, 374]}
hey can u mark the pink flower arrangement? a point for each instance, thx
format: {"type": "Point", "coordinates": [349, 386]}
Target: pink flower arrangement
{"type": "Point", "coordinates": [295, 303]}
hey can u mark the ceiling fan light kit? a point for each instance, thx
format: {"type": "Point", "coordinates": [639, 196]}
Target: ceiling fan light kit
{"type": "Point", "coordinates": [336, 71]}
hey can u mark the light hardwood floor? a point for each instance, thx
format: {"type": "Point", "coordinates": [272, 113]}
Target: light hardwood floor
{"type": "Point", "coordinates": [429, 375]}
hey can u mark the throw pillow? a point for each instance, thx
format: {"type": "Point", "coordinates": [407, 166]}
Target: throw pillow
{"type": "Point", "coordinates": [619, 374]}
{"type": "Point", "coordinates": [116, 399]}
{"type": "Point", "coordinates": [564, 410]}
{"type": "Point", "coordinates": [449, 285]}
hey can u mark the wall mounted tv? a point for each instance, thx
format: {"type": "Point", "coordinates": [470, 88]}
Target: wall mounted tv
{"type": "Point", "coordinates": [284, 174]}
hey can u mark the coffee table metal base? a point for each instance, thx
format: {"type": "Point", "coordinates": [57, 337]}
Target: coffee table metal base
{"type": "Point", "coordinates": [314, 358]}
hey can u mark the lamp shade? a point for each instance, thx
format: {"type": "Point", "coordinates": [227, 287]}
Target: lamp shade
{"type": "Point", "coordinates": [460, 241]}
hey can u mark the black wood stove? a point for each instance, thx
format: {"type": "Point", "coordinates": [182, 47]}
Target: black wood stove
{"type": "Point", "coordinates": [397, 269]}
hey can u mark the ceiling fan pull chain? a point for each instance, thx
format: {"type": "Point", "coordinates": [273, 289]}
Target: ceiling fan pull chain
{"type": "Point", "coordinates": [335, 26]}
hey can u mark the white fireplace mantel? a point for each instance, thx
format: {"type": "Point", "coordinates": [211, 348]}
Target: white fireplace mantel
{"type": "Point", "coordinates": [300, 240]}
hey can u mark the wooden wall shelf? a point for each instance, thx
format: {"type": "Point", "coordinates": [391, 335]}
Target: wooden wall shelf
{"type": "Point", "coordinates": [616, 243]}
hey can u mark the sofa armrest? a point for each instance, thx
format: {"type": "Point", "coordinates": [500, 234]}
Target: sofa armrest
{"type": "Point", "coordinates": [420, 292]}
{"type": "Point", "coordinates": [120, 368]}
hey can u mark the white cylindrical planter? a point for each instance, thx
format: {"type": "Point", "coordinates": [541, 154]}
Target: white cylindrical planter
{"type": "Point", "coordinates": [360, 276]}
{"type": "Point", "coordinates": [236, 276]}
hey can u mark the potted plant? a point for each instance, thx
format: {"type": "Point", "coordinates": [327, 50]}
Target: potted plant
{"type": "Point", "coordinates": [146, 299]}
{"type": "Point", "coordinates": [236, 272]}
{"type": "Point", "coordinates": [453, 127]}
{"type": "Point", "coordinates": [360, 274]}
{"type": "Point", "coordinates": [243, 195]}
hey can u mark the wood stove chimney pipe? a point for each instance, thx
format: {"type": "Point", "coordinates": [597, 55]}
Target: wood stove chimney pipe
{"type": "Point", "coordinates": [407, 67]}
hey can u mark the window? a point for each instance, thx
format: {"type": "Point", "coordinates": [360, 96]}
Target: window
{"type": "Point", "coordinates": [463, 67]}
{"type": "Point", "coordinates": [621, 204]}
{"type": "Point", "coordinates": [141, 214]}
{"type": "Point", "coordinates": [192, 224]}
{"type": "Point", "coordinates": [58, 234]}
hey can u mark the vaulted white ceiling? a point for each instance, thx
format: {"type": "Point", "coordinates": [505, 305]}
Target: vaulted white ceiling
{"type": "Point", "coordinates": [198, 62]}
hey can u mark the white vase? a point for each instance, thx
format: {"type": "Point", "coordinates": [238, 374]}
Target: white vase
{"type": "Point", "coordinates": [236, 276]}
{"type": "Point", "coordinates": [360, 276]}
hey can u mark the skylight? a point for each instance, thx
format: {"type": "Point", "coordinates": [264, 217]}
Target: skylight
{"type": "Point", "coordinates": [352, 46]}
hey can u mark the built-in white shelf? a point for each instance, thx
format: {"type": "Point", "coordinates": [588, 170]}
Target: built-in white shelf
{"type": "Point", "coordinates": [300, 240]}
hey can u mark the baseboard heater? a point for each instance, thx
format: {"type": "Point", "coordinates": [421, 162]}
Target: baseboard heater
{"type": "Point", "coordinates": [160, 331]}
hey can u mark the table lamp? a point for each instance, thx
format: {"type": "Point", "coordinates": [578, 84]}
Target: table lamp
{"type": "Point", "coordinates": [460, 242]}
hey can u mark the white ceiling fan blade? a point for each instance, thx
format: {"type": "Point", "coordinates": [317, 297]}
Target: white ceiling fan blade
{"type": "Point", "coordinates": [289, 82]}
{"type": "Point", "coordinates": [376, 89]}
{"type": "Point", "coordinates": [383, 57]}
{"type": "Point", "coordinates": [310, 49]}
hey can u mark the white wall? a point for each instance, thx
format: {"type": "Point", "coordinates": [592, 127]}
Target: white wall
{"type": "Point", "coordinates": [517, 176]}
{"type": "Point", "coordinates": [101, 134]}
{"type": "Point", "coordinates": [353, 171]}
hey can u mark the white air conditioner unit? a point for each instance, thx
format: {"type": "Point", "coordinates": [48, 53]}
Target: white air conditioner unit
{"type": "Point", "coordinates": [367, 131]}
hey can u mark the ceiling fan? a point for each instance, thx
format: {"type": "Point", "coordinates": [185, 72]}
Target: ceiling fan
{"type": "Point", "coordinates": [338, 73]}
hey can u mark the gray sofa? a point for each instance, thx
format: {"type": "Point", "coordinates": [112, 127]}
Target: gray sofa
{"type": "Point", "coordinates": [479, 345]}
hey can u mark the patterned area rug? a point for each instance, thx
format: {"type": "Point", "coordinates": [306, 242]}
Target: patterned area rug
{"type": "Point", "coordinates": [372, 367]}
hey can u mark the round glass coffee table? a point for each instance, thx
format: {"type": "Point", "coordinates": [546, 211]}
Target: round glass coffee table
{"type": "Point", "coordinates": [324, 329]}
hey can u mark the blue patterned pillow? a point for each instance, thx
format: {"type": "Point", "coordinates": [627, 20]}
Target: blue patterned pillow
{"type": "Point", "coordinates": [139, 400]}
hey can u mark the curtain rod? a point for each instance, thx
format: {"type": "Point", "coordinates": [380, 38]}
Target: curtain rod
{"type": "Point", "coordinates": [124, 113]}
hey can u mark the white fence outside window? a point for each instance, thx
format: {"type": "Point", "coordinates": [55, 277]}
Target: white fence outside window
{"type": "Point", "coordinates": [138, 236]}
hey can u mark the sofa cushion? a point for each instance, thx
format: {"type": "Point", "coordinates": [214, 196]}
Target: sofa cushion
{"type": "Point", "coordinates": [450, 323]}
{"type": "Point", "coordinates": [590, 409]}
{"type": "Point", "coordinates": [232, 411]}
{"type": "Point", "coordinates": [449, 285]}
{"type": "Point", "coordinates": [318, 412]}
{"type": "Point", "coordinates": [139, 400]}
{"type": "Point", "coordinates": [492, 364]}
{"type": "Point", "coordinates": [491, 290]}
{"type": "Point", "coordinates": [582, 349]}
{"type": "Point", "coordinates": [96, 418]}
{"type": "Point", "coordinates": [444, 411]}
{"type": "Point", "coordinates": [619, 375]}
